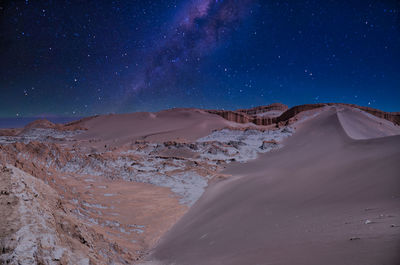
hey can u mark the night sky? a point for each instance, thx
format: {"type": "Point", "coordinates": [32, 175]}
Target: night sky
{"type": "Point", "coordinates": [79, 58]}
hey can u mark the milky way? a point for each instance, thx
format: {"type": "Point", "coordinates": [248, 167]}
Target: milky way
{"type": "Point", "coordinates": [78, 58]}
{"type": "Point", "coordinates": [199, 28]}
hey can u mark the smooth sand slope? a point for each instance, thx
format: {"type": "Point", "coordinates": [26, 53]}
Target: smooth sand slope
{"type": "Point", "coordinates": [324, 198]}
{"type": "Point", "coordinates": [189, 124]}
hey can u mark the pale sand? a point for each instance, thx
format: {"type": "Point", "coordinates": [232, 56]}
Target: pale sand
{"type": "Point", "coordinates": [188, 124]}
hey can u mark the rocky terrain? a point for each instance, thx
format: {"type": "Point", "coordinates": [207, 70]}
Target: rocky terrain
{"type": "Point", "coordinates": [103, 190]}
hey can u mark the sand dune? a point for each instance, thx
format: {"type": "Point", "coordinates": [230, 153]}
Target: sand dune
{"type": "Point", "coordinates": [189, 124]}
{"type": "Point", "coordinates": [324, 198]}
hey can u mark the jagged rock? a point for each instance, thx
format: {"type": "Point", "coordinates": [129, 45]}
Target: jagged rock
{"type": "Point", "coordinates": [268, 144]}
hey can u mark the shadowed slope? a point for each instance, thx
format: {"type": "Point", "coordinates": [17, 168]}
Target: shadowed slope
{"type": "Point", "coordinates": [322, 199]}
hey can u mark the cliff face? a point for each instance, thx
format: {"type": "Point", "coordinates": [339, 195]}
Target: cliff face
{"type": "Point", "coordinates": [263, 109]}
{"type": "Point", "coordinates": [290, 113]}
{"type": "Point", "coordinates": [251, 115]}
{"type": "Point", "coordinates": [234, 116]}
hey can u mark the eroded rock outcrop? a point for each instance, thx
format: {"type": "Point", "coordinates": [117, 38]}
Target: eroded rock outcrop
{"type": "Point", "coordinates": [36, 229]}
{"type": "Point", "coordinates": [234, 116]}
{"type": "Point", "coordinates": [263, 109]}
{"type": "Point", "coordinates": [251, 115]}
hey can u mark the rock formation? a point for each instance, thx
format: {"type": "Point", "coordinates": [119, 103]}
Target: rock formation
{"type": "Point", "coordinates": [263, 109]}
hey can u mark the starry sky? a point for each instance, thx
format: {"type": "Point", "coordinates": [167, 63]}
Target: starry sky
{"type": "Point", "coordinates": [77, 58]}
